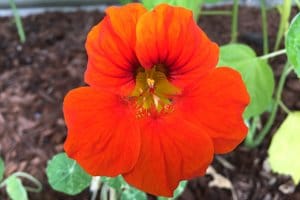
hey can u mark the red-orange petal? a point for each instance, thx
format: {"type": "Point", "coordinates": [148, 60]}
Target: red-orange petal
{"type": "Point", "coordinates": [110, 48]}
{"type": "Point", "coordinates": [172, 150]}
{"type": "Point", "coordinates": [102, 133]}
{"type": "Point", "coordinates": [169, 35]}
{"type": "Point", "coordinates": [216, 105]}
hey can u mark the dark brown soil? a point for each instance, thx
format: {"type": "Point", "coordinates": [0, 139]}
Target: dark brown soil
{"type": "Point", "coordinates": [35, 76]}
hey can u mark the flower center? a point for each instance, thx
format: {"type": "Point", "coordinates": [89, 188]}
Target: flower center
{"type": "Point", "coordinates": [153, 91]}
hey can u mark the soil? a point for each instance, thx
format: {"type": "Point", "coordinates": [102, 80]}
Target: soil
{"type": "Point", "coordinates": [35, 76]}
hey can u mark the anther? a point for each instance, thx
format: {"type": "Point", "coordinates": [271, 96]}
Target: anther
{"type": "Point", "coordinates": [150, 82]}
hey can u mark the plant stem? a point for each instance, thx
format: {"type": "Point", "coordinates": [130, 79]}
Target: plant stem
{"type": "Point", "coordinates": [18, 21]}
{"type": "Point", "coordinates": [264, 26]}
{"type": "Point", "coordinates": [234, 23]}
{"type": "Point", "coordinates": [112, 194]}
{"type": "Point", "coordinates": [258, 140]}
{"type": "Point", "coordinates": [28, 177]}
{"type": "Point", "coordinates": [285, 12]}
{"type": "Point", "coordinates": [216, 12]}
{"type": "Point", "coordinates": [273, 54]}
{"type": "Point", "coordinates": [95, 186]}
{"type": "Point", "coordinates": [284, 107]}
{"type": "Point", "coordinates": [251, 133]}
{"type": "Point", "coordinates": [31, 179]}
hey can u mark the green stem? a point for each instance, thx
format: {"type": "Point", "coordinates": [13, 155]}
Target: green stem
{"type": "Point", "coordinates": [285, 12]}
{"type": "Point", "coordinates": [258, 140]}
{"type": "Point", "coordinates": [18, 21]}
{"type": "Point", "coordinates": [234, 23]}
{"type": "Point", "coordinates": [264, 26]}
{"type": "Point", "coordinates": [31, 179]}
{"type": "Point", "coordinates": [216, 12]}
{"type": "Point", "coordinates": [273, 54]}
{"type": "Point", "coordinates": [38, 185]}
{"type": "Point", "coordinates": [251, 133]}
{"type": "Point", "coordinates": [284, 107]}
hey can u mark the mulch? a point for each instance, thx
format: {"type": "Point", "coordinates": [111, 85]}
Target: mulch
{"type": "Point", "coordinates": [35, 76]}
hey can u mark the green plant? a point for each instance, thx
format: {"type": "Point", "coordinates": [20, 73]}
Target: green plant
{"type": "Point", "coordinates": [284, 148]}
{"type": "Point", "coordinates": [14, 186]}
{"type": "Point", "coordinates": [18, 21]}
{"type": "Point", "coordinates": [264, 26]}
{"type": "Point", "coordinates": [259, 79]}
{"type": "Point", "coordinates": [65, 175]}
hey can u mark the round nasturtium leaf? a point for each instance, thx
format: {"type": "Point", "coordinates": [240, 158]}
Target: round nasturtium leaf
{"type": "Point", "coordinates": [256, 73]}
{"type": "Point", "coordinates": [284, 150]}
{"type": "Point", "coordinates": [2, 168]}
{"type": "Point", "coordinates": [292, 44]}
{"type": "Point", "coordinates": [15, 189]}
{"type": "Point", "coordinates": [115, 182]}
{"type": "Point", "coordinates": [131, 193]}
{"type": "Point", "coordinates": [66, 176]}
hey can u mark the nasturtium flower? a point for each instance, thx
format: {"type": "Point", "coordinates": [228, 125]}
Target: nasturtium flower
{"type": "Point", "coordinates": [157, 108]}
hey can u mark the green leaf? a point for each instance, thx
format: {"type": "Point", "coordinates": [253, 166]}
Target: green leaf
{"type": "Point", "coordinates": [257, 75]}
{"type": "Point", "coordinates": [179, 190]}
{"type": "Point", "coordinates": [2, 169]}
{"type": "Point", "coordinates": [125, 191]}
{"type": "Point", "coordinates": [15, 189]}
{"type": "Point", "coordinates": [65, 175]}
{"type": "Point", "coordinates": [193, 5]}
{"type": "Point", "coordinates": [292, 43]}
{"type": "Point", "coordinates": [116, 182]}
{"type": "Point", "coordinates": [131, 193]}
{"type": "Point", "coordinates": [284, 150]}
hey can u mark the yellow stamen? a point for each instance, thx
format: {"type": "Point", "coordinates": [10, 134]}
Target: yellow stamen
{"type": "Point", "coordinates": [150, 82]}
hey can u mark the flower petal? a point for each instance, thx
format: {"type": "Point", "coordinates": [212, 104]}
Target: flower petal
{"type": "Point", "coordinates": [102, 133]}
{"type": "Point", "coordinates": [110, 47]}
{"type": "Point", "coordinates": [216, 105]}
{"type": "Point", "coordinates": [170, 36]}
{"type": "Point", "coordinates": [172, 150]}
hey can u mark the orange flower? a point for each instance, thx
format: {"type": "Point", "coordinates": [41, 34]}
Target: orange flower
{"type": "Point", "coordinates": [156, 108]}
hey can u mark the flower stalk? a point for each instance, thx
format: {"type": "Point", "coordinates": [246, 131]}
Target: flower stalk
{"type": "Point", "coordinates": [264, 26]}
{"type": "Point", "coordinates": [273, 54]}
{"type": "Point", "coordinates": [234, 23]}
{"type": "Point", "coordinates": [252, 141]}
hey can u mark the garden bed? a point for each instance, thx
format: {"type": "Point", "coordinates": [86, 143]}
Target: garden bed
{"type": "Point", "coordinates": [35, 76]}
